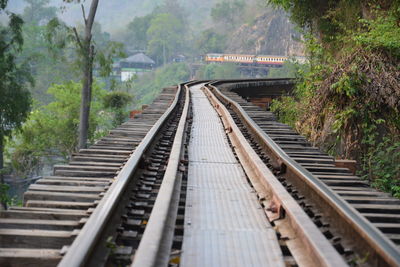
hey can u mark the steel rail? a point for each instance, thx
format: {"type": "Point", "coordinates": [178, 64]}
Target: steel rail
{"type": "Point", "coordinates": [78, 253]}
{"type": "Point", "coordinates": [155, 246]}
{"type": "Point", "coordinates": [236, 83]}
{"type": "Point", "coordinates": [377, 244]}
{"type": "Point", "coordinates": [312, 248]}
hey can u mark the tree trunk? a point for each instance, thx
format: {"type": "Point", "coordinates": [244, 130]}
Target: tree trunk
{"type": "Point", "coordinates": [85, 106]}
{"type": "Point", "coordinates": [164, 55]}
{"type": "Point", "coordinates": [88, 54]}
{"type": "Point", "coordinates": [1, 159]}
{"type": "Point", "coordinates": [3, 203]}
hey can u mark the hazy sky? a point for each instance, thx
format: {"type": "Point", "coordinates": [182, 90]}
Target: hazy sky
{"type": "Point", "coordinates": [112, 14]}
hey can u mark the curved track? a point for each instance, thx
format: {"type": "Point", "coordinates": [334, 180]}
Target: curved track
{"type": "Point", "coordinates": [168, 186]}
{"type": "Point", "coordinates": [63, 206]}
{"type": "Point", "coordinates": [362, 223]}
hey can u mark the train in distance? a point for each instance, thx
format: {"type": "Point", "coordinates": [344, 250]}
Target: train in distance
{"type": "Point", "coordinates": [253, 59]}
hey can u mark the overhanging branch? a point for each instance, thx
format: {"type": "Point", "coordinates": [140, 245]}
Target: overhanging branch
{"type": "Point", "coordinates": [78, 40]}
{"type": "Point", "coordinates": [84, 14]}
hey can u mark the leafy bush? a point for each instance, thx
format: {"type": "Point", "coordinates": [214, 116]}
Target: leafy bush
{"type": "Point", "coordinates": [218, 71]}
{"type": "Point", "coordinates": [52, 129]}
{"type": "Point", "coordinates": [210, 41]}
{"type": "Point", "coordinates": [116, 99]}
{"type": "Point", "coordinates": [286, 110]}
{"type": "Point", "coordinates": [117, 102]}
{"type": "Point", "coordinates": [290, 69]}
{"type": "Point", "coordinates": [148, 86]}
{"type": "Point", "coordinates": [382, 33]}
{"type": "Point", "coordinates": [381, 165]}
{"type": "Point", "coordinates": [349, 100]}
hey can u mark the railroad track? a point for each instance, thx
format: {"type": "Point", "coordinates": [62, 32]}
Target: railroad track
{"type": "Point", "coordinates": [362, 223]}
{"type": "Point", "coordinates": [57, 208]}
{"type": "Point", "coordinates": [182, 183]}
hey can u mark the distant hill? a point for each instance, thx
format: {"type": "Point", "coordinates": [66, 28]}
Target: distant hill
{"type": "Point", "coordinates": [271, 33]}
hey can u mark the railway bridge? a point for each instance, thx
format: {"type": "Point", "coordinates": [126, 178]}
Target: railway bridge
{"type": "Point", "coordinates": [204, 176]}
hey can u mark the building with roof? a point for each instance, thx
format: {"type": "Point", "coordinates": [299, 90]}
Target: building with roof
{"type": "Point", "coordinates": [133, 65]}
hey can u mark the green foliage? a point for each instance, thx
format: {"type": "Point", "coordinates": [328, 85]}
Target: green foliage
{"type": "Point", "coordinates": [348, 101]}
{"type": "Point", "coordinates": [211, 42]}
{"type": "Point", "coordinates": [52, 129]}
{"type": "Point", "coordinates": [165, 37]}
{"type": "Point", "coordinates": [218, 71]}
{"type": "Point", "coordinates": [228, 13]}
{"type": "Point", "coordinates": [308, 12]}
{"type": "Point", "coordinates": [343, 22]}
{"type": "Point", "coordinates": [38, 12]}
{"type": "Point", "coordinates": [286, 110]}
{"type": "Point", "coordinates": [159, 33]}
{"type": "Point", "coordinates": [291, 109]}
{"type": "Point", "coordinates": [46, 69]}
{"type": "Point", "coordinates": [137, 32]}
{"type": "Point", "coordinates": [117, 101]}
{"type": "Point", "coordinates": [147, 86]}
{"type": "Point", "coordinates": [290, 69]}
{"type": "Point", "coordinates": [174, 8]}
{"type": "Point", "coordinates": [381, 165]}
{"type": "Point", "coordinates": [15, 99]}
{"type": "Point", "coordinates": [4, 197]}
{"type": "Point", "coordinates": [61, 37]}
{"type": "Point", "coordinates": [105, 57]}
{"type": "Point", "coordinates": [348, 84]}
{"type": "Point", "coordinates": [382, 33]}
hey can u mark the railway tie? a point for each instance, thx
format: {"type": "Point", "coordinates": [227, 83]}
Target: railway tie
{"type": "Point", "coordinates": [202, 177]}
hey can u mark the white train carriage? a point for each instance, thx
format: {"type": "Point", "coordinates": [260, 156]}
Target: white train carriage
{"type": "Point", "coordinates": [270, 60]}
{"type": "Point", "coordinates": [248, 59]}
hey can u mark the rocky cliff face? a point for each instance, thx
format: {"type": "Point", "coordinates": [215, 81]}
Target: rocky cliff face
{"type": "Point", "coordinates": [272, 33]}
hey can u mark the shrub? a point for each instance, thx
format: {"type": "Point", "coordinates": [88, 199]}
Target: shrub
{"type": "Point", "coordinates": [117, 101]}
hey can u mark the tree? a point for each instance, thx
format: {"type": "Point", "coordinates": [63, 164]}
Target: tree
{"type": "Point", "coordinates": [15, 100]}
{"type": "Point", "coordinates": [35, 52]}
{"type": "Point", "coordinates": [52, 129]}
{"type": "Point", "coordinates": [228, 14]}
{"type": "Point", "coordinates": [117, 101]}
{"type": "Point", "coordinates": [349, 101]}
{"type": "Point", "coordinates": [175, 9]}
{"type": "Point", "coordinates": [38, 13]}
{"type": "Point", "coordinates": [211, 42]}
{"type": "Point", "coordinates": [87, 52]}
{"type": "Point", "coordinates": [165, 37]}
{"type": "Point", "coordinates": [137, 32]}
{"type": "Point", "coordinates": [148, 86]}
{"type": "Point", "coordinates": [290, 69]}
{"type": "Point", "coordinates": [218, 71]}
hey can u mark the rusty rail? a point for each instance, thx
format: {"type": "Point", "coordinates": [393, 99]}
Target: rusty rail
{"type": "Point", "coordinates": [80, 250]}
{"type": "Point", "coordinates": [313, 249]}
{"type": "Point", "coordinates": [380, 250]}
{"type": "Point", "coordinates": [155, 245]}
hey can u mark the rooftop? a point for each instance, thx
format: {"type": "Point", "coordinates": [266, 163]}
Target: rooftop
{"type": "Point", "coordinates": [139, 58]}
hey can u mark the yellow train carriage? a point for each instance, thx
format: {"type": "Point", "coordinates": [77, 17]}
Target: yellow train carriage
{"type": "Point", "coordinates": [214, 58]}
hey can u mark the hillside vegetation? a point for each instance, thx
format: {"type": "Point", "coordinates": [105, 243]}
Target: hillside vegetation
{"type": "Point", "coordinates": [349, 101]}
{"type": "Point", "coordinates": [123, 10]}
{"type": "Point", "coordinates": [50, 61]}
